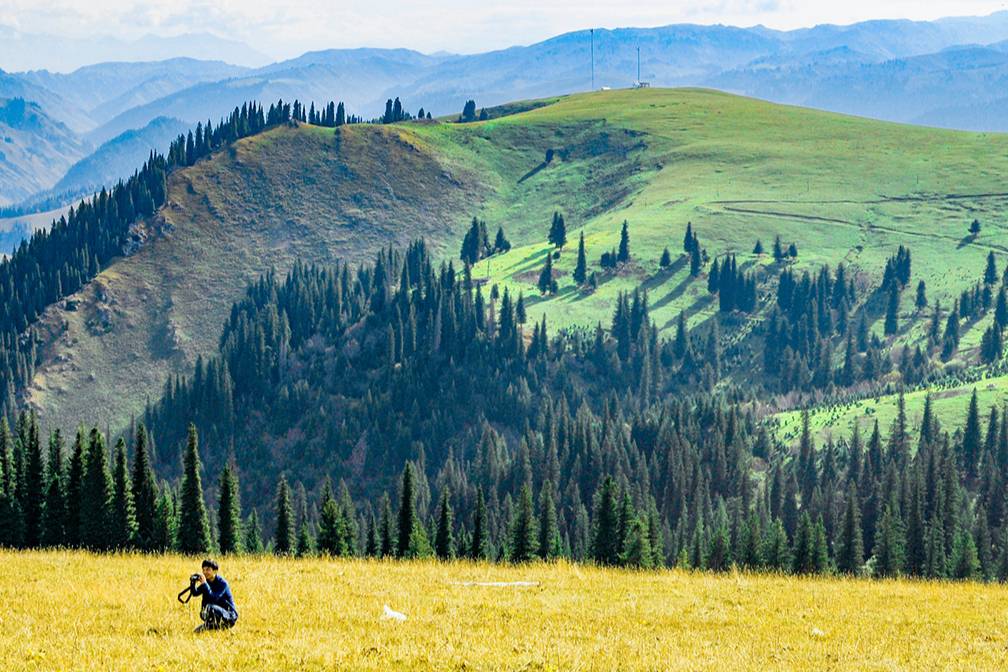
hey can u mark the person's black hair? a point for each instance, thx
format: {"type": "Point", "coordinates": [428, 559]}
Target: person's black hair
{"type": "Point", "coordinates": [211, 564]}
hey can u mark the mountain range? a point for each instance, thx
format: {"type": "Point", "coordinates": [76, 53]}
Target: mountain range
{"type": "Point", "coordinates": [948, 73]}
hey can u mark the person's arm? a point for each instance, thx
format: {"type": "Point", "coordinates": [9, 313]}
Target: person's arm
{"type": "Point", "coordinates": [216, 595]}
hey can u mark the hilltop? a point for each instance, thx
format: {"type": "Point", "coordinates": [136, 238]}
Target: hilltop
{"type": "Point", "coordinates": [841, 188]}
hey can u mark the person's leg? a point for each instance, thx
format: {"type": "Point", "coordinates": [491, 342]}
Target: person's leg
{"type": "Point", "coordinates": [215, 617]}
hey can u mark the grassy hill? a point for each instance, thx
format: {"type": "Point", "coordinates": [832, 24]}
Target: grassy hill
{"type": "Point", "coordinates": [949, 403]}
{"type": "Point", "coordinates": [841, 188]}
{"type": "Point", "coordinates": [121, 614]}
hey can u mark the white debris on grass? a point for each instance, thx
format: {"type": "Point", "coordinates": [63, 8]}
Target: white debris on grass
{"type": "Point", "coordinates": [390, 614]}
{"type": "Point", "coordinates": [497, 584]}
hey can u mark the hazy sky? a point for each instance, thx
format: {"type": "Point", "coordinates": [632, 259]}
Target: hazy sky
{"type": "Point", "coordinates": [287, 27]}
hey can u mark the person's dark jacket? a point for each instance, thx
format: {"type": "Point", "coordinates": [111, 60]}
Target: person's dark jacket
{"type": "Point", "coordinates": [218, 593]}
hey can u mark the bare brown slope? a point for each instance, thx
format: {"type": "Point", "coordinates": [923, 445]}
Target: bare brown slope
{"type": "Point", "coordinates": [290, 193]}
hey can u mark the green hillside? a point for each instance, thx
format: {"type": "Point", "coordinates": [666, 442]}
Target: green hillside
{"type": "Point", "coordinates": [841, 188]}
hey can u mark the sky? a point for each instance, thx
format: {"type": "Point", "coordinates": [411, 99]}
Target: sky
{"type": "Point", "coordinates": [291, 27]}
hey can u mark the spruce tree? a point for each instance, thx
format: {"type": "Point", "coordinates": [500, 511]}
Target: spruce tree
{"type": "Point", "coordinates": [666, 259]}
{"type": "Point", "coordinates": [889, 545]}
{"type": "Point", "coordinates": [35, 486]}
{"type": "Point", "coordinates": [96, 496]}
{"type": "Point", "coordinates": [605, 537]}
{"type": "Point", "coordinates": [581, 269]}
{"type": "Point", "coordinates": [194, 526]}
{"type": "Point", "coordinates": [892, 310]}
{"type": "Point", "coordinates": [252, 541]}
{"type": "Point", "coordinates": [444, 538]}
{"type": "Point", "coordinates": [850, 555]}
{"type": "Point", "coordinates": [229, 521]}
{"type": "Point", "coordinates": [331, 535]}
{"type": "Point", "coordinates": [145, 492]}
{"type": "Point", "coordinates": [965, 563]}
{"type": "Point", "coordinates": [123, 516]}
{"type": "Point", "coordinates": [623, 255]}
{"type": "Point", "coordinates": [54, 527]}
{"type": "Point", "coordinates": [549, 532]}
{"type": "Point", "coordinates": [388, 541]}
{"type": "Point", "coordinates": [284, 538]}
{"type": "Point", "coordinates": [75, 490]}
{"type": "Point", "coordinates": [478, 545]}
{"type": "Point", "coordinates": [546, 283]}
{"type": "Point", "coordinates": [637, 548]}
{"type": "Point", "coordinates": [165, 522]}
{"type": "Point", "coordinates": [523, 532]}
{"type": "Point", "coordinates": [407, 511]}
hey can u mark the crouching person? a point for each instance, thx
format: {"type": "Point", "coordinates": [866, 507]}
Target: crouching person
{"type": "Point", "coordinates": [218, 610]}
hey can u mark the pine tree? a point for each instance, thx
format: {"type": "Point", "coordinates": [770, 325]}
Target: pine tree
{"type": "Point", "coordinates": [229, 521]}
{"type": "Point", "coordinates": [331, 536]}
{"type": "Point", "coordinates": [892, 310]}
{"type": "Point", "coordinates": [623, 255]}
{"type": "Point", "coordinates": [637, 548]}
{"type": "Point", "coordinates": [889, 545]}
{"type": "Point", "coordinates": [33, 480]}
{"type": "Point", "coordinates": [407, 512]}
{"type": "Point", "coordinates": [546, 283]}
{"type": "Point", "coordinates": [284, 540]}
{"type": "Point", "coordinates": [971, 437]}
{"type": "Point", "coordinates": [990, 272]}
{"type": "Point", "coordinates": [124, 518]}
{"type": "Point", "coordinates": [96, 496]}
{"type": "Point", "coordinates": [581, 269]}
{"type": "Point", "coordinates": [252, 541]}
{"type": "Point", "coordinates": [549, 532]}
{"type": "Point", "coordinates": [921, 302]}
{"type": "Point", "coordinates": [758, 248]}
{"type": "Point", "coordinates": [388, 543]}
{"type": "Point", "coordinates": [55, 514]}
{"type": "Point", "coordinates": [444, 539]}
{"type": "Point", "coordinates": [965, 564]}
{"type": "Point", "coordinates": [523, 532]}
{"type": "Point", "coordinates": [558, 231]}
{"type": "Point", "coordinates": [605, 539]}
{"type": "Point", "coordinates": [666, 259]}
{"type": "Point", "coordinates": [850, 555]}
{"type": "Point", "coordinates": [75, 489]}
{"type": "Point", "coordinates": [194, 526]}
{"type": "Point", "coordinates": [165, 522]}
{"type": "Point", "coordinates": [145, 493]}
{"type": "Point", "coordinates": [478, 545]}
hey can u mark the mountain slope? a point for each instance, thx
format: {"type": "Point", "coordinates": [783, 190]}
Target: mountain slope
{"type": "Point", "coordinates": [35, 150]}
{"type": "Point", "coordinates": [120, 156]}
{"type": "Point", "coordinates": [841, 188]}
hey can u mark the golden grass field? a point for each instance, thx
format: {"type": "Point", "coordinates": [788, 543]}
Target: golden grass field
{"type": "Point", "coordinates": [71, 610]}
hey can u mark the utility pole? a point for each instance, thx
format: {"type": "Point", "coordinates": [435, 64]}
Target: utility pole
{"type": "Point", "coordinates": [593, 59]}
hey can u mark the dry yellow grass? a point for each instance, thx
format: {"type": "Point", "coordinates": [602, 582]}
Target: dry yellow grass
{"type": "Point", "coordinates": [63, 610]}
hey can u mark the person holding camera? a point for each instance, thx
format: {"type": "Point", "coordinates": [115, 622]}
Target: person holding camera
{"type": "Point", "coordinates": [218, 610]}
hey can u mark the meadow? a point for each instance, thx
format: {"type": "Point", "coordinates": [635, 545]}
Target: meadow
{"type": "Point", "coordinates": [74, 610]}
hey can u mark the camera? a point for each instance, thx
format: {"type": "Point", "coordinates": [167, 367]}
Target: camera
{"type": "Point", "coordinates": [194, 578]}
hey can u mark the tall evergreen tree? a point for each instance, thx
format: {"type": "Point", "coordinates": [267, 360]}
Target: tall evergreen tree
{"type": "Point", "coordinates": [252, 541]}
{"type": "Point", "coordinates": [194, 526]}
{"type": "Point", "coordinates": [605, 538]}
{"type": "Point", "coordinates": [581, 269]}
{"type": "Point", "coordinates": [850, 555]}
{"type": "Point", "coordinates": [284, 537]}
{"type": "Point", "coordinates": [623, 255]}
{"type": "Point", "coordinates": [444, 538]}
{"type": "Point", "coordinates": [229, 520]}
{"type": "Point", "coordinates": [145, 492]}
{"type": "Point", "coordinates": [523, 524]}
{"type": "Point", "coordinates": [96, 496]}
{"type": "Point", "coordinates": [549, 532]}
{"type": "Point", "coordinates": [478, 545]}
{"type": "Point", "coordinates": [123, 515]}
{"type": "Point", "coordinates": [407, 511]}
{"type": "Point", "coordinates": [35, 485]}
{"type": "Point", "coordinates": [54, 520]}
